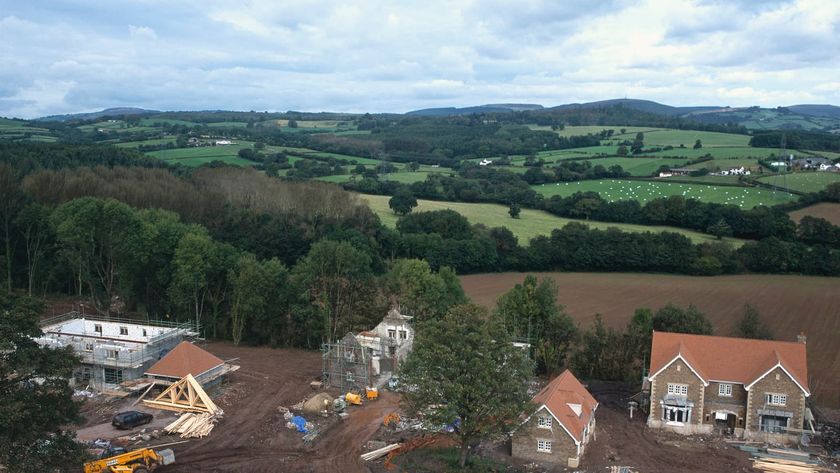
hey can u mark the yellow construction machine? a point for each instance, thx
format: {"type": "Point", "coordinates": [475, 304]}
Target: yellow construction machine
{"type": "Point", "coordinates": [371, 393]}
{"type": "Point", "coordinates": [353, 398]}
{"type": "Point", "coordinates": [143, 460]}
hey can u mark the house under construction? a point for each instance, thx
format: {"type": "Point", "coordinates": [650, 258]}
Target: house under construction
{"type": "Point", "coordinates": [112, 350]}
{"type": "Point", "coordinates": [360, 360]}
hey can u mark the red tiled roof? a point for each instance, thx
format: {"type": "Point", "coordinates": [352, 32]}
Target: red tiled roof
{"type": "Point", "coordinates": [737, 360]}
{"type": "Point", "coordinates": [558, 394]}
{"type": "Point", "coordinates": [184, 359]}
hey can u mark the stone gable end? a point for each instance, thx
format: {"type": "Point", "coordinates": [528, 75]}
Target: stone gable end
{"type": "Point", "coordinates": [776, 382]}
{"type": "Point", "coordinates": [525, 438]}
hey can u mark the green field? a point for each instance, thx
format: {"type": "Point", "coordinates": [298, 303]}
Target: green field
{"type": "Point", "coordinates": [407, 177]}
{"type": "Point", "coordinates": [227, 125]}
{"type": "Point", "coordinates": [668, 137]}
{"type": "Point", "coordinates": [638, 166]}
{"type": "Point", "coordinates": [595, 129]}
{"type": "Point", "coordinates": [725, 164]}
{"type": "Point", "coordinates": [718, 153]}
{"type": "Point", "coordinates": [135, 144]}
{"type": "Point", "coordinates": [643, 191]}
{"type": "Point", "coordinates": [530, 224]}
{"type": "Point", "coordinates": [204, 154]}
{"type": "Point", "coordinates": [803, 181]}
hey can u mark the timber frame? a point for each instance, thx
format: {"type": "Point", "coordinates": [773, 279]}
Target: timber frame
{"type": "Point", "coordinates": [184, 396]}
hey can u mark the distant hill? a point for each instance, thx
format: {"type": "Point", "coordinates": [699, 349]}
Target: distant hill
{"type": "Point", "coordinates": [831, 111]}
{"type": "Point", "coordinates": [643, 105]}
{"type": "Point", "coordinates": [489, 108]}
{"type": "Point", "coordinates": [108, 112]}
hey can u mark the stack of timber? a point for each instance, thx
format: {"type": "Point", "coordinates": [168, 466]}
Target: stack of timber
{"type": "Point", "coordinates": [380, 452]}
{"type": "Point", "coordinates": [192, 425]}
{"type": "Point", "coordinates": [785, 461]}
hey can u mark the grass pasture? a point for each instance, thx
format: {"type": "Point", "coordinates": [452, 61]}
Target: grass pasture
{"type": "Point", "coordinates": [638, 166]}
{"type": "Point", "coordinates": [530, 224]}
{"type": "Point", "coordinates": [204, 154]}
{"type": "Point", "coordinates": [668, 137]}
{"type": "Point", "coordinates": [643, 191]}
{"type": "Point", "coordinates": [803, 181]}
{"type": "Point", "coordinates": [788, 304]}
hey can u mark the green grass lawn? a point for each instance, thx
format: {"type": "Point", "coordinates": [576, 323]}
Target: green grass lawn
{"type": "Point", "coordinates": [803, 181]}
{"type": "Point", "coordinates": [727, 163]}
{"type": "Point", "coordinates": [530, 224]}
{"type": "Point", "coordinates": [402, 177]}
{"type": "Point", "coordinates": [227, 125]}
{"type": "Point", "coordinates": [668, 137]}
{"type": "Point", "coordinates": [204, 154]}
{"type": "Point", "coordinates": [135, 144]}
{"type": "Point", "coordinates": [638, 166]}
{"type": "Point", "coordinates": [643, 191]}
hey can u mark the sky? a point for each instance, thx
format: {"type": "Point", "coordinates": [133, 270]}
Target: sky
{"type": "Point", "coordinates": [395, 56]}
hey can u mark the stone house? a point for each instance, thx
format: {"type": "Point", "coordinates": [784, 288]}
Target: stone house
{"type": "Point", "coordinates": [561, 425]}
{"type": "Point", "coordinates": [754, 389]}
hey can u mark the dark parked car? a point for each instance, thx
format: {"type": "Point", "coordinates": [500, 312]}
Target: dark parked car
{"type": "Point", "coordinates": [130, 419]}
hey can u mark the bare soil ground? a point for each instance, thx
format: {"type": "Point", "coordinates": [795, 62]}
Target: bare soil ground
{"type": "Point", "coordinates": [619, 441]}
{"type": "Point", "coordinates": [253, 436]}
{"type": "Point", "coordinates": [788, 304]}
{"type": "Point", "coordinates": [826, 210]}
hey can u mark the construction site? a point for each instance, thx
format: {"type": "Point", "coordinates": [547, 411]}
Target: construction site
{"type": "Point", "coordinates": [217, 407]}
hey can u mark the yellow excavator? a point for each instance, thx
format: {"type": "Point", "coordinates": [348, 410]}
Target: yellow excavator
{"type": "Point", "coordinates": [143, 460]}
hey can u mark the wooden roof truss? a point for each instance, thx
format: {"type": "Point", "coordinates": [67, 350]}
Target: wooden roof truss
{"type": "Point", "coordinates": [184, 396]}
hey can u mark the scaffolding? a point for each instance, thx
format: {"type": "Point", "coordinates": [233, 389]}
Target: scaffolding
{"type": "Point", "coordinates": [107, 362]}
{"type": "Point", "coordinates": [347, 365]}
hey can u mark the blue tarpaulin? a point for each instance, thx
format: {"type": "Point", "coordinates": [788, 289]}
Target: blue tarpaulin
{"type": "Point", "coordinates": [300, 423]}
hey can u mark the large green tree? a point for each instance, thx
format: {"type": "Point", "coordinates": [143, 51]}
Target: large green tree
{"type": "Point", "coordinates": [465, 368]}
{"type": "Point", "coordinates": [98, 237]}
{"type": "Point", "coordinates": [256, 285]}
{"type": "Point", "coordinates": [11, 200]}
{"type": "Point", "coordinates": [531, 314]}
{"type": "Point", "coordinates": [421, 292]}
{"type": "Point", "coordinates": [403, 201]}
{"type": "Point", "coordinates": [676, 319]}
{"type": "Point", "coordinates": [35, 399]}
{"type": "Point", "coordinates": [336, 280]}
{"type": "Point", "coordinates": [38, 239]}
{"type": "Point", "coordinates": [751, 325]}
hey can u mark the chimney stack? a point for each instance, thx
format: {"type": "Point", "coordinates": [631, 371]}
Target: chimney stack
{"type": "Point", "coordinates": [801, 338]}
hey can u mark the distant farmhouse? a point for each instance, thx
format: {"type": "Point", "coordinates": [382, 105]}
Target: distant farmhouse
{"type": "Point", "coordinates": [560, 427]}
{"type": "Point", "coordinates": [754, 389]}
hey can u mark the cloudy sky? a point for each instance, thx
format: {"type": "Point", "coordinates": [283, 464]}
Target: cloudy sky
{"type": "Point", "coordinates": [366, 55]}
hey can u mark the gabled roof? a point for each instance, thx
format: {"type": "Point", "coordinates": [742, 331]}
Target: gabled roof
{"type": "Point", "coordinates": [184, 359]}
{"type": "Point", "coordinates": [561, 397]}
{"type": "Point", "coordinates": [728, 359]}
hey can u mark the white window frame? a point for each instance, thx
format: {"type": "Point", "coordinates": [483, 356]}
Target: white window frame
{"type": "Point", "coordinates": [112, 354]}
{"type": "Point", "coordinates": [123, 330]}
{"type": "Point", "coordinates": [544, 422]}
{"type": "Point", "coordinates": [544, 446]}
{"type": "Point", "coordinates": [349, 377]}
{"type": "Point", "coordinates": [88, 346]}
{"type": "Point", "coordinates": [680, 389]}
{"type": "Point", "coordinates": [97, 328]}
{"type": "Point", "coordinates": [775, 399]}
{"type": "Point", "coordinates": [725, 390]}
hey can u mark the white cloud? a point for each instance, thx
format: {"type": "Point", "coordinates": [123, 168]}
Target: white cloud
{"type": "Point", "coordinates": [374, 55]}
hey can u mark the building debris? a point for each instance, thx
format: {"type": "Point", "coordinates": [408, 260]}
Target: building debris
{"type": "Point", "coordinates": [379, 452]}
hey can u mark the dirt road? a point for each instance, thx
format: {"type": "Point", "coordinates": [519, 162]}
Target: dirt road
{"type": "Point", "coordinates": [252, 436]}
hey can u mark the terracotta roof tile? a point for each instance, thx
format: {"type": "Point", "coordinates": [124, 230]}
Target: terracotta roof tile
{"type": "Point", "coordinates": [184, 359]}
{"type": "Point", "coordinates": [562, 391]}
{"type": "Point", "coordinates": [737, 360]}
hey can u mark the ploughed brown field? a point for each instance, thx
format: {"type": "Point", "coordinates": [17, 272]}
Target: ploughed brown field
{"type": "Point", "coordinates": [788, 304]}
{"type": "Point", "coordinates": [826, 210]}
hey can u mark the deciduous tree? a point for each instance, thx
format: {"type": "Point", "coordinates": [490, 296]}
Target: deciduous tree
{"type": "Point", "coordinates": [465, 370]}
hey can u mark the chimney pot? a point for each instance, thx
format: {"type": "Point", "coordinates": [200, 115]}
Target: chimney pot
{"type": "Point", "coordinates": [801, 338]}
